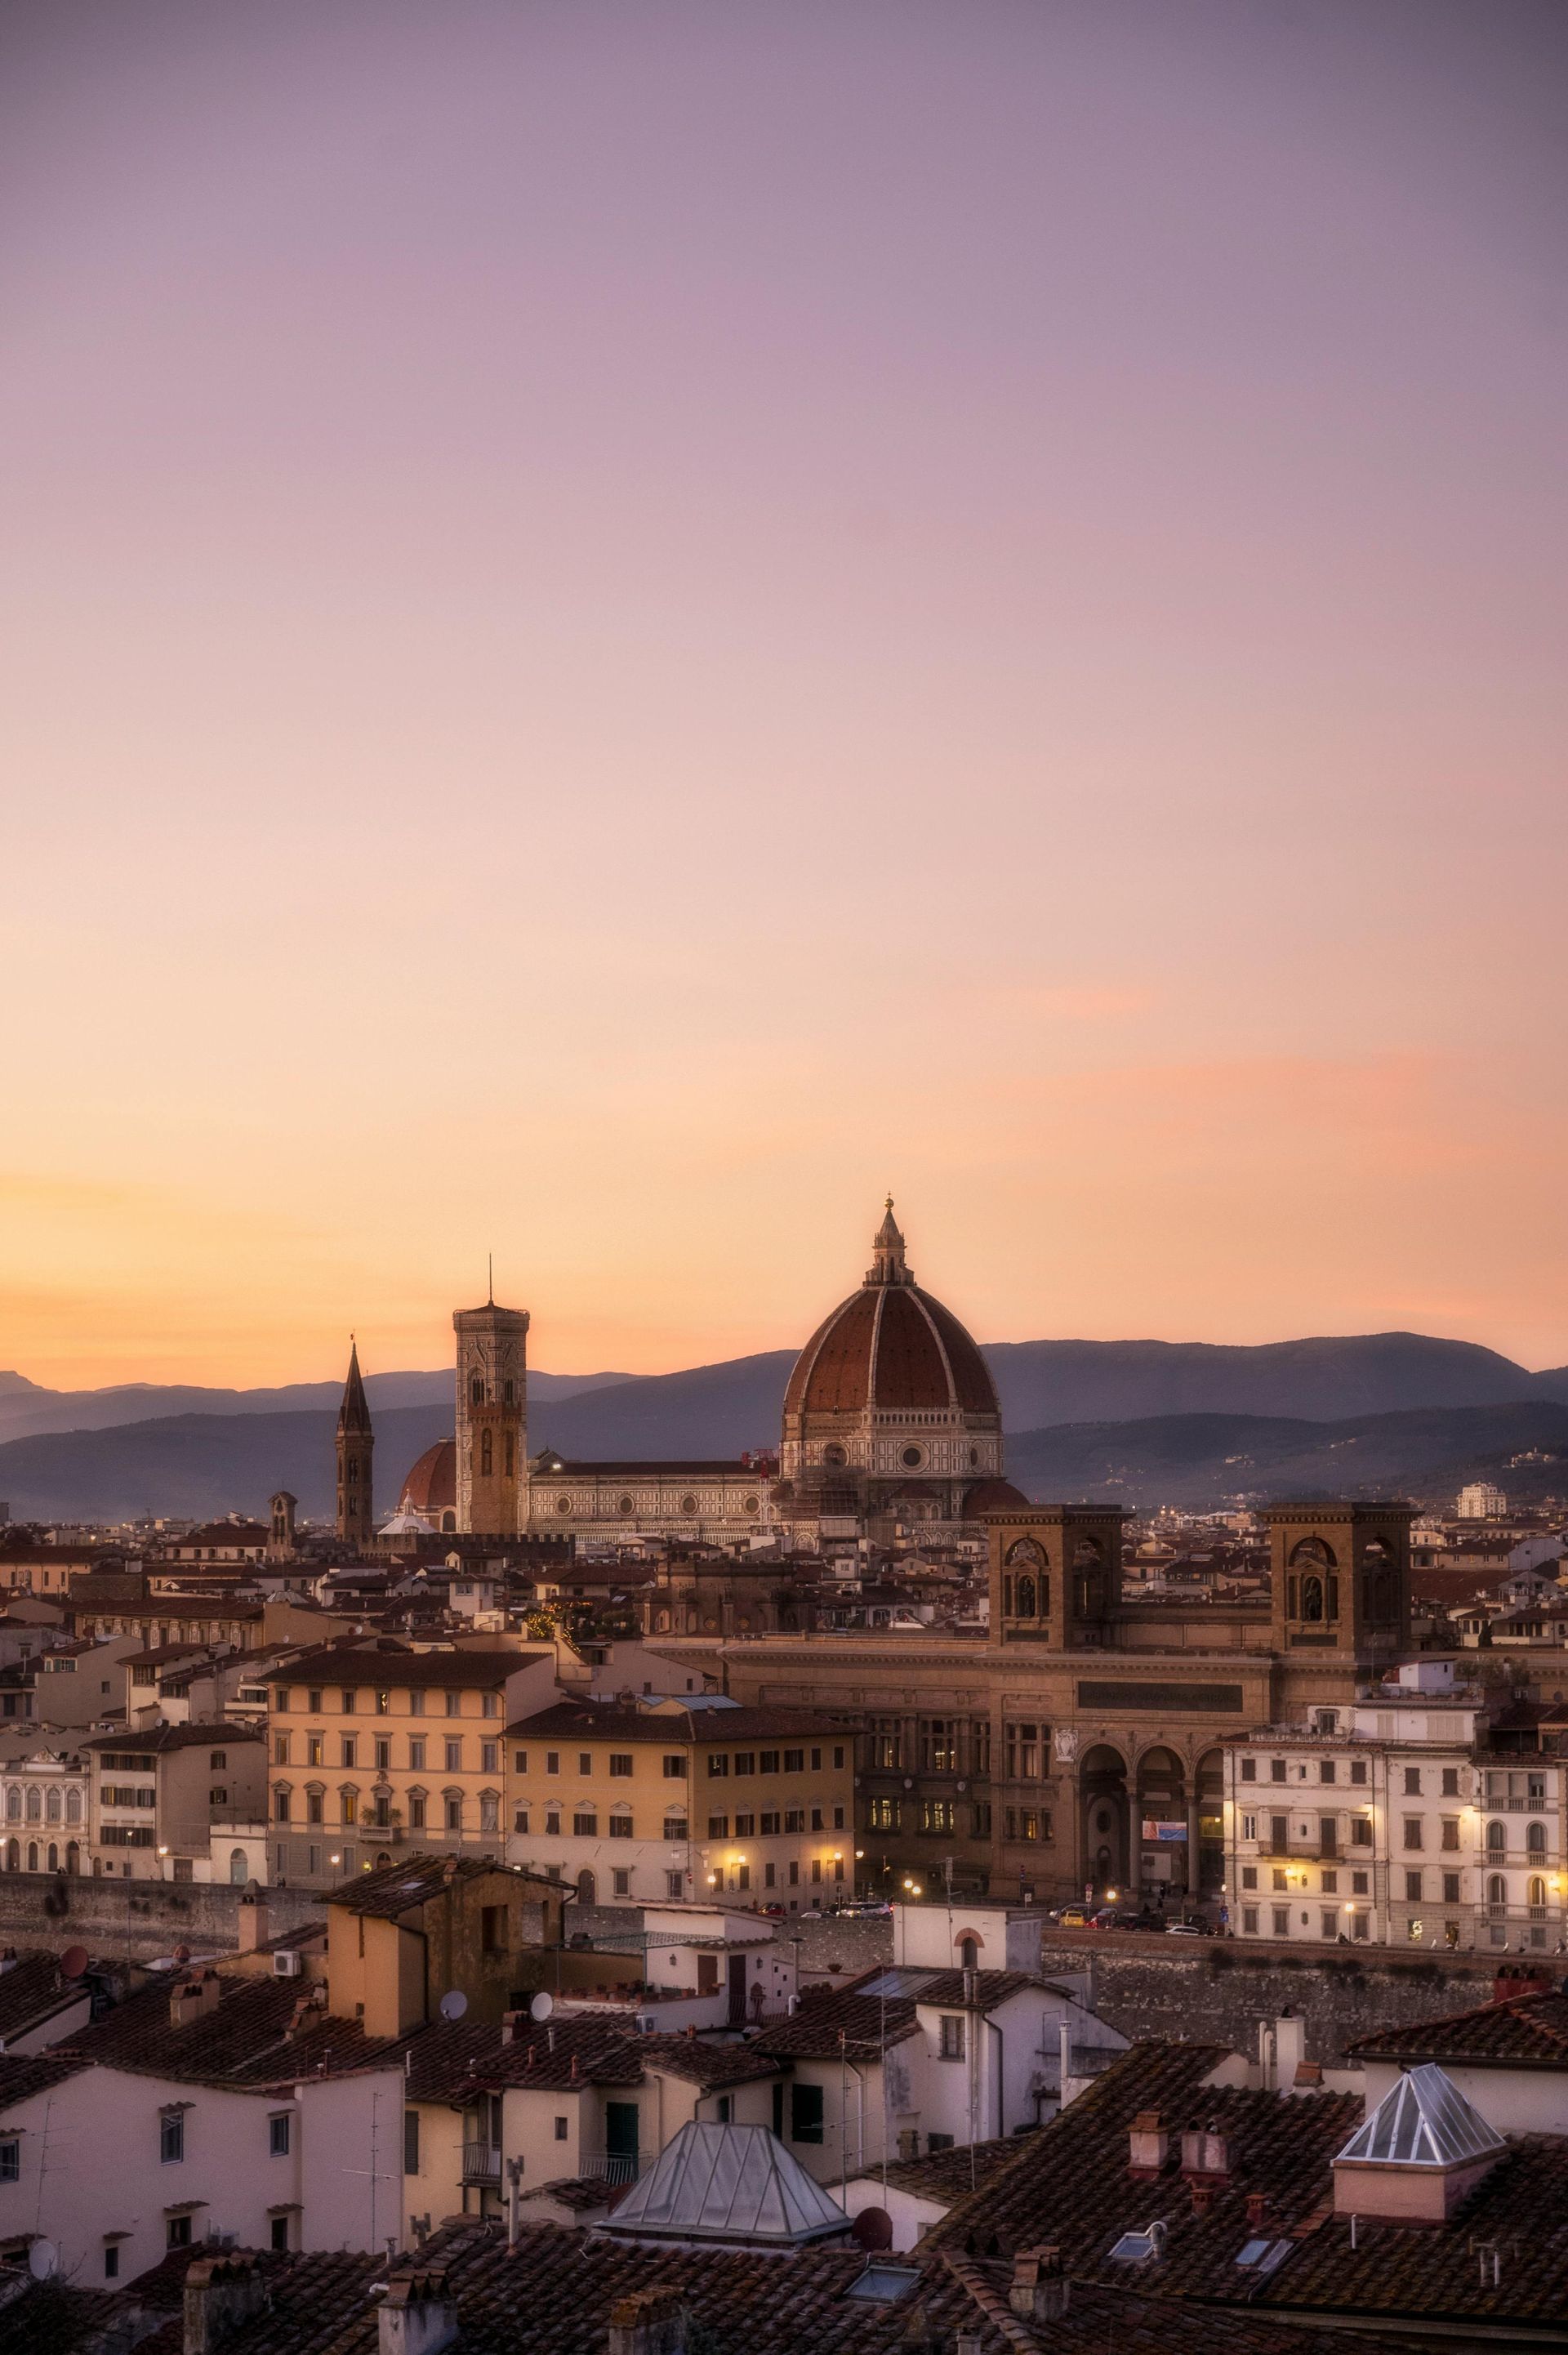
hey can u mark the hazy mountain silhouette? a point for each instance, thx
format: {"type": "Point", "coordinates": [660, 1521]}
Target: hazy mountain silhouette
{"type": "Point", "coordinates": [1151, 1422]}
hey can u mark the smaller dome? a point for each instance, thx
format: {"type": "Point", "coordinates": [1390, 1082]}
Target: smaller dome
{"type": "Point", "coordinates": [431, 1485]}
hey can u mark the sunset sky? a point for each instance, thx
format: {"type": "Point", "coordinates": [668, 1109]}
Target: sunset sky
{"type": "Point", "coordinates": [624, 627]}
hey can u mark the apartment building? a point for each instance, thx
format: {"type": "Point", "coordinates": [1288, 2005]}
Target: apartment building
{"type": "Point", "coordinates": [369, 1746]}
{"type": "Point", "coordinates": [155, 1795]}
{"type": "Point", "coordinates": [45, 1798]}
{"type": "Point", "coordinates": [1394, 1820]}
{"type": "Point", "coordinates": [638, 1803]}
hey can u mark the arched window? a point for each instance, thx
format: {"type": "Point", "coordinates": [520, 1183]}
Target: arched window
{"type": "Point", "coordinates": [1496, 1891]}
{"type": "Point", "coordinates": [237, 1874]}
{"type": "Point", "coordinates": [1535, 1841]}
{"type": "Point", "coordinates": [968, 1954]}
{"type": "Point", "coordinates": [1496, 1838]}
{"type": "Point", "coordinates": [54, 1857]}
{"type": "Point", "coordinates": [1536, 1893]}
{"type": "Point", "coordinates": [73, 1856]}
{"type": "Point", "coordinates": [13, 1856]}
{"type": "Point", "coordinates": [32, 1855]}
{"type": "Point", "coordinates": [476, 1390]}
{"type": "Point", "coordinates": [13, 1804]}
{"type": "Point", "coordinates": [73, 1807]}
{"type": "Point", "coordinates": [35, 1804]}
{"type": "Point", "coordinates": [52, 1806]}
{"type": "Point", "coordinates": [588, 1888]}
{"type": "Point", "coordinates": [486, 1452]}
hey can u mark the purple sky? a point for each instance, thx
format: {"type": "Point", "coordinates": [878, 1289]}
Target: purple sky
{"type": "Point", "coordinates": [624, 627]}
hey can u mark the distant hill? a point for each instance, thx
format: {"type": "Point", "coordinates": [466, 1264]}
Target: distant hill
{"type": "Point", "coordinates": [27, 1407]}
{"type": "Point", "coordinates": [1204, 1461]}
{"type": "Point", "coordinates": [1043, 1382]}
{"type": "Point", "coordinates": [1079, 1414]}
{"type": "Point", "coordinates": [198, 1466]}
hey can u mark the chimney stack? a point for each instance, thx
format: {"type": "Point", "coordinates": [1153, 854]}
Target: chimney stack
{"type": "Point", "coordinates": [193, 1998]}
{"type": "Point", "coordinates": [1257, 2210]}
{"type": "Point", "coordinates": [221, 2293]}
{"type": "Point", "coordinates": [417, 2316]}
{"type": "Point", "coordinates": [1205, 2152]}
{"type": "Point", "coordinates": [647, 2322]}
{"type": "Point", "coordinates": [1148, 2144]}
{"type": "Point", "coordinates": [253, 1930]}
{"type": "Point", "coordinates": [1039, 2290]}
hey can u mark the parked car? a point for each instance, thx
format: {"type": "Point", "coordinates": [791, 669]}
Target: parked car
{"type": "Point", "coordinates": [1076, 1917]}
{"type": "Point", "coordinates": [866, 1908]}
{"type": "Point", "coordinates": [1191, 1929]}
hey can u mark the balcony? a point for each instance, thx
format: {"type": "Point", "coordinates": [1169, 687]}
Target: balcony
{"type": "Point", "coordinates": [480, 2162]}
{"type": "Point", "coordinates": [610, 2166]}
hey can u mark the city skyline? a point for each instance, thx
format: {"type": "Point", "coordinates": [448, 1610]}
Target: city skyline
{"type": "Point", "coordinates": [624, 632]}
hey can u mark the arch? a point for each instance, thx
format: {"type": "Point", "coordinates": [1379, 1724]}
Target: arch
{"type": "Point", "coordinates": [1497, 1890]}
{"type": "Point", "coordinates": [1104, 1815]}
{"type": "Point", "coordinates": [238, 1872]}
{"type": "Point", "coordinates": [1535, 1841]}
{"type": "Point", "coordinates": [73, 1856]}
{"type": "Point", "coordinates": [1312, 1553]}
{"type": "Point", "coordinates": [1496, 1838]}
{"type": "Point", "coordinates": [54, 1857]}
{"type": "Point", "coordinates": [52, 1804]}
{"type": "Point", "coordinates": [449, 1524]}
{"type": "Point", "coordinates": [486, 1453]}
{"type": "Point", "coordinates": [73, 1807]}
{"type": "Point", "coordinates": [32, 1855]}
{"type": "Point", "coordinates": [1536, 1893]}
{"type": "Point", "coordinates": [969, 1952]}
{"type": "Point", "coordinates": [588, 1888]}
{"type": "Point", "coordinates": [13, 1803]}
{"type": "Point", "coordinates": [35, 1807]}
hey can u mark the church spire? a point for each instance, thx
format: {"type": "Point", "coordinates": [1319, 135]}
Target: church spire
{"type": "Point", "coordinates": [356, 1451]}
{"type": "Point", "coordinates": [354, 1414]}
{"type": "Point", "coordinates": [888, 1261]}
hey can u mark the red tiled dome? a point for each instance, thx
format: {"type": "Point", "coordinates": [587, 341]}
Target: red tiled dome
{"type": "Point", "coordinates": [891, 1347]}
{"type": "Point", "coordinates": [431, 1485]}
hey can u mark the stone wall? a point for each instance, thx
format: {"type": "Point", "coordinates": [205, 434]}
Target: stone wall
{"type": "Point", "coordinates": [1219, 1991]}
{"type": "Point", "coordinates": [138, 1920]}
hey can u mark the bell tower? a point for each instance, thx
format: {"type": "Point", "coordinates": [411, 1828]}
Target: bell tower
{"type": "Point", "coordinates": [492, 1420]}
{"type": "Point", "coordinates": [355, 1448]}
{"type": "Point", "coordinates": [1341, 1576]}
{"type": "Point", "coordinates": [1055, 1574]}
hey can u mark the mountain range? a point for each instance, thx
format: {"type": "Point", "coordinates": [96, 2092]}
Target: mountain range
{"type": "Point", "coordinates": [1147, 1421]}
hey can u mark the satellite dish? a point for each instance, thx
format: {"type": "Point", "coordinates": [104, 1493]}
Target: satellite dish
{"type": "Point", "coordinates": [542, 2007]}
{"type": "Point", "coordinates": [73, 1962]}
{"type": "Point", "coordinates": [454, 2003]}
{"type": "Point", "coordinates": [43, 2259]}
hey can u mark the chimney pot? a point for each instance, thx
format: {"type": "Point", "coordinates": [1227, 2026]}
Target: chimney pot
{"type": "Point", "coordinates": [1148, 2144]}
{"type": "Point", "coordinates": [647, 2322]}
{"type": "Point", "coordinates": [1256, 2209]}
{"type": "Point", "coordinates": [418, 2316]}
{"type": "Point", "coordinates": [1039, 2290]}
{"type": "Point", "coordinates": [220, 2294]}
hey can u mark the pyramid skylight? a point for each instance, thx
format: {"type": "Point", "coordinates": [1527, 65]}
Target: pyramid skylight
{"type": "Point", "coordinates": [1424, 2121]}
{"type": "Point", "coordinates": [727, 2183]}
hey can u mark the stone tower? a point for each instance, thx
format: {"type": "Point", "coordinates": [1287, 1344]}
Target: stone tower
{"type": "Point", "coordinates": [355, 1447]}
{"type": "Point", "coordinates": [492, 1420]}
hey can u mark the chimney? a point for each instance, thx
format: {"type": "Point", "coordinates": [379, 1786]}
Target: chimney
{"type": "Point", "coordinates": [1147, 2145]}
{"type": "Point", "coordinates": [1289, 2047]}
{"type": "Point", "coordinates": [221, 2294]}
{"type": "Point", "coordinates": [1206, 2152]}
{"type": "Point", "coordinates": [1257, 2210]}
{"type": "Point", "coordinates": [1510, 1983]}
{"type": "Point", "coordinates": [1039, 2290]}
{"type": "Point", "coordinates": [253, 1931]}
{"type": "Point", "coordinates": [193, 1998]}
{"type": "Point", "coordinates": [908, 2142]}
{"type": "Point", "coordinates": [647, 2322]}
{"type": "Point", "coordinates": [1203, 2198]}
{"type": "Point", "coordinates": [417, 2316]}
{"type": "Point", "coordinates": [509, 2021]}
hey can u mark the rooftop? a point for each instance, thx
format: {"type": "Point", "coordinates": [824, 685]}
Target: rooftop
{"type": "Point", "coordinates": [727, 2183]}
{"type": "Point", "coordinates": [1527, 2031]}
